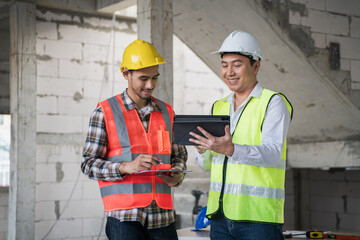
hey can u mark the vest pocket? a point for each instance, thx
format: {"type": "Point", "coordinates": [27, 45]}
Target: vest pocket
{"type": "Point", "coordinates": [163, 139]}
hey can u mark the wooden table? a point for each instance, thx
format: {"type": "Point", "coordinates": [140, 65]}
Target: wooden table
{"type": "Point", "coordinates": [187, 234]}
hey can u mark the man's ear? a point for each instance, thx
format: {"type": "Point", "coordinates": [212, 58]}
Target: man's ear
{"type": "Point", "coordinates": [126, 73]}
{"type": "Point", "coordinates": [256, 67]}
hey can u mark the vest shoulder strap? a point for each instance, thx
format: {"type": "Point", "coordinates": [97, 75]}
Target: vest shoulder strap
{"type": "Point", "coordinates": [221, 107]}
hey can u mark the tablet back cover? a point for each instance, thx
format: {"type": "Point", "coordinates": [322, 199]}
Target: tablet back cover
{"type": "Point", "coordinates": [183, 124]}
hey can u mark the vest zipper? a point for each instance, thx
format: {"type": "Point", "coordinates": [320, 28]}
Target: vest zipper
{"type": "Point", "coordinates": [223, 185]}
{"type": "Point", "coordinates": [224, 168]}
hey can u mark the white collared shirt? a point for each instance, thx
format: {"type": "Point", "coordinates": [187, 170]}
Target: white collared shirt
{"type": "Point", "coordinates": [275, 127]}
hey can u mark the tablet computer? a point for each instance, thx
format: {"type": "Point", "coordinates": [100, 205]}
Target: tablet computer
{"type": "Point", "coordinates": [164, 171]}
{"type": "Point", "coordinates": [183, 124]}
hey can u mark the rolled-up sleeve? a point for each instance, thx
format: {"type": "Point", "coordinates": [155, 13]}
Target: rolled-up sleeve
{"type": "Point", "coordinates": [275, 127]}
{"type": "Point", "coordinates": [204, 160]}
{"type": "Point", "coordinates": [94, 163]}
{"type": "Point", "coordinates": [178, 159]}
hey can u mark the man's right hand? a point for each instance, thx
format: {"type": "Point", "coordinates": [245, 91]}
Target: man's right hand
{"type": "Point", "coordinates": [141, 163]}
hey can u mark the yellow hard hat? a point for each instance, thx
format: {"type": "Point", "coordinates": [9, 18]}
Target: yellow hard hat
{"type": "Point", "coordinates": [140, 54]}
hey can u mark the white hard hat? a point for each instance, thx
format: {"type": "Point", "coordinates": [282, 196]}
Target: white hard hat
{"type": "Point", "coordinates": [242, 42]}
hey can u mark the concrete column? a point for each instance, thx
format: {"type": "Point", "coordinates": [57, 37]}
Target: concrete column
{"type": "Point", "coordinates": [23, 120]}
{"type": "Point", "coordinates": [155, 25]}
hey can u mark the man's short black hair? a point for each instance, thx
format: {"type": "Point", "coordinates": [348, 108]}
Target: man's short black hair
{"type": "Point", "coordinates": [251, 58]}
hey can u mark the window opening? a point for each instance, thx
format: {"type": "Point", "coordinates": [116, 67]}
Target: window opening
{"type": "Point", "coordinates": [5, 137]}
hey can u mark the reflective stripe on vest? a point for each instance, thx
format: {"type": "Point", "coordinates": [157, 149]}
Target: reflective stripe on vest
{"type": "Point", "coordinates": [131, 156]}
{"type": "Point", "coordinates": [134, 188]}
{"type": "Point", "coordinates": [127, 139]}
{"type": "Point", "coordinates": [244, 189]}
{"type": "Point", "coordinates": [250, 192]}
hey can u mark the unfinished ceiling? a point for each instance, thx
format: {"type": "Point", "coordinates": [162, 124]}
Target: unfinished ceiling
{"type": "Point", "coordinates": [323, 114]}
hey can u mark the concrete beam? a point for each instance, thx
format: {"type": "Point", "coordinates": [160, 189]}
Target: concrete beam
{"type": "Point", "coordinates": [113, 5]}
{"type": "Point", "coordinates": [155, 25]}
{"type": "Point", "coordinates": [338, 154]}
{"type": "Point", "coordinates": [79, 5]}
{"type": "Point", "coordinates": [23, 122]}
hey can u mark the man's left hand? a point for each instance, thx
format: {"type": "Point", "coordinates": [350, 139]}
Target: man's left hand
{"type": "Point", "coordinates": [222, 145]}
{"type": "Point", "coordinates": [171, 178]}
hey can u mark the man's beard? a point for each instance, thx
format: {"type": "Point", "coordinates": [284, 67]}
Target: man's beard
{"type": "Point", "coordinates": [145, 98]}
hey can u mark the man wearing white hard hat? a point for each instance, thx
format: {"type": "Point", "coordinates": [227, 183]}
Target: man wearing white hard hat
{"type": "Point", "coordinates": [246, 196]}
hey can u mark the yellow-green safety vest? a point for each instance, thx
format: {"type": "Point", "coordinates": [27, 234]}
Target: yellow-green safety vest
{"type": "Point", "coordinates": [250, 193]}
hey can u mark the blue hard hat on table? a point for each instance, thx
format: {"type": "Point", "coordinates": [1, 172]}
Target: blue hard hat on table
{"type": "Point", "coordinates": [201, 220]}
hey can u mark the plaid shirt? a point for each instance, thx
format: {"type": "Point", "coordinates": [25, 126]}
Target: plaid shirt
{"type": "Point", "coordinates": [97, 167]}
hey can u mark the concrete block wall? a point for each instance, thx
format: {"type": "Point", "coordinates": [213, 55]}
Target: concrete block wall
{"type": "Point", "coordinates": [330, 200]}
{"type": "Point", "coordinates": [312, 25]}
{"type": "Point", "coordinates": [4, 68]}
{"type": "Point", "coordinates": [75, 70]}
{"type": "Point", "coordinates": [327, 199]}
{"type": "Point", "coordinates": [289, 208]}
{"type": "Point", "coordinates": [334, 21]}
{"type": "Point", "coordinates": [4, 203]}
{"type": "Point", "coordinates": [4, 88]}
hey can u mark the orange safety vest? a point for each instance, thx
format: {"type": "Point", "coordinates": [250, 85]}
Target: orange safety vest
{"type": "Point", "coordinates": [127, 139]}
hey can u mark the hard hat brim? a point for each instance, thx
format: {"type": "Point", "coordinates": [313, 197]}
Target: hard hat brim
{"type": "Point", "coordinates": [256, 57]}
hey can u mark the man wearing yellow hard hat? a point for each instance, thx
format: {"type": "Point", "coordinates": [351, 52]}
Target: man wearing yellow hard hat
{"type": "Point", "coordinates": [128, 142]}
